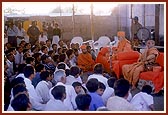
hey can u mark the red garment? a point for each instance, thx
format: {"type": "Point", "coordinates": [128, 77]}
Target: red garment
{"type": "Point", "coordinates": [85, 62]}
{"type": "Point", "coordinates": [103, 59]}
{"type": "Point", "coordinates": [156, 77]}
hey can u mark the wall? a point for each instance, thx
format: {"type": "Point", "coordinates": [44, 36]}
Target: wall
{"type": "Point", "coordinates": [103, 25]}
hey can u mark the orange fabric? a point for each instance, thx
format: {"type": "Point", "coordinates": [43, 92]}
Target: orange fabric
{"type": "Point", "coordinates": [149, 52]}
{"type": "Point", "coordinates": [123, 46]}
{"type": "Point", "coordinates": [121, 34]}
{"type": "Point", "coordinates": [83, 47]}
{"type": "Point", "coordinates": [116, 68]}
{"type": "Point", "coordinates": [149, 75]}
{"type": "Point", "coordinates": [131, 72]}
{"type": "Point", "coordinates": [124, 58]}
{"type": "Point", "coordinates": [156, 77]}
{"type": "Point", "coordinates": [117, 65]}
{"type": "Point", "coordinates": [132, 55]}
{"type": "Point", "coordinates": [104, 50]}
{"type": "Point", "coordinates": [159, 82]}
{"type": "Point", "coordinates": [157, 69]}
{"type": "Point", "coordinates": [101, 58]}
{"type": "Point", "coordinates": [85, 62]}
{"type": "Point", "coordinates": [160, 59]}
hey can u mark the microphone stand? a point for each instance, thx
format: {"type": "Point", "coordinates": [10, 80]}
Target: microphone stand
{"type": "Point", "coordinates": [111, 53]}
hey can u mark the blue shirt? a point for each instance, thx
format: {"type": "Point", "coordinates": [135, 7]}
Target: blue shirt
{"type": "Point", "coordinates": [96, 101]}
{"type": "Point", "coordinates": [49, 67]}
{"type": "Point", "coordinates": [36, 79]}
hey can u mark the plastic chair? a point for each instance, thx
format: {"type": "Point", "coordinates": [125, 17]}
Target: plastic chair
{"type": "Point", "coordinates": [78, 40]}
{"type": "Point", "coordinates": [104, 41]}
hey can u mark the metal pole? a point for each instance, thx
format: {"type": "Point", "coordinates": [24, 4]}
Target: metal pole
{"type": "Point", "coordinates": [73, 20]}
{"type": "Point", "coordinates": [157, 13]}
{"type": "Point", "coordinates": [119, 18]}
{"type": "Point", "coordinates": [92, 24]}
{"type": "Point", "coordinates": [132, 36]}
{"type": "Point", "coordinates": [131, 21]}
{"type": "Point", "coordinates": [144, 15]}
{"type": "Point", "coordinates": [61, 20]}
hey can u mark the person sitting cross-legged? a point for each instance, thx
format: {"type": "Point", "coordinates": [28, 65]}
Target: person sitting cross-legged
{"type": "Point", "coordinates": [92, 87]}
{"type": "Point", "coordinates": [83, 102]}
{"type": "Point", "coordinates": [119, 101]}
{"type": "Point", "coordinates": [56, 103]}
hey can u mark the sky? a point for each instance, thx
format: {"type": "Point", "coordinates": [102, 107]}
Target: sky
{"type": "Point", "coordinates": [46, 7]}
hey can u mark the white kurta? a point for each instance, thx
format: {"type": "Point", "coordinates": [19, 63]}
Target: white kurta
{"type": "Point", "coordinates": [142, 101]}
{"type": "Point", "coordinates": [35, 100]}
{"type": "Point", "coordinates": [70, 96]}
{"type": "Point", "coordinates": [100, 78]}
{"type": "Point", "coordinates": [10, 70]}
{"type": "Point", "coordinates": [116, 103]}
{"type": "Point", "coordinates": [42, 90]}
{"type": "Point", "coordinates": [43, 39]}
{"type": "Point", "coordinates": [55, 105]}
{"type": "Point", "coordinates": [20, 75]}
{"type": "Point", "coordinates": [107, 94]}
{"type": "Point", "coordinates": [21, 33]}
{"type": "Point", "coordinates": [70, 80]}
{"type": "Point", "coordinates": [18, 58]}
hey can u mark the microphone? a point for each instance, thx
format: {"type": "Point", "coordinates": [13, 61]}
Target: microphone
{"type": "Point", "coordinates": [112, 43]}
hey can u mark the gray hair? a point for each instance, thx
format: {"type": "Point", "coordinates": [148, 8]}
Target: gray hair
{"type": "Point", "coordinates": [59, 74]}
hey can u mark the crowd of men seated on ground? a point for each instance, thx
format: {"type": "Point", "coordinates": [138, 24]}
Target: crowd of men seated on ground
{"type": "Point", "coordinates": [50, 77]}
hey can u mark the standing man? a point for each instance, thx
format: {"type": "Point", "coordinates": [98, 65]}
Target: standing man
{"type": "Point", "coordinates": [57, 30]}
{"type": "Point", "coordinates": [12, 33]}
{"type": "Point", "coordinates": [50, 32]}
{"type": "Point", "coordinates": [21, 33]}
{"type": "Point", "coordinates": [33, 33]}
{"type": "Point", "coordinates": [56, 34]}
{"type": "Point", "coordinates": [134, 29]}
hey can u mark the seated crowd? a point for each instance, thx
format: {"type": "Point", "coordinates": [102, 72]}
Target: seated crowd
{"type": "Point", "coordinates": [58, 77]}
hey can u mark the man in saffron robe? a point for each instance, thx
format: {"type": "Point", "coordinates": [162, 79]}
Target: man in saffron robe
{"type": "Point", "coordinates": [103, 58]}
{"type": "Point", "coordinates": [85, 61]}
{"type": "Point", "coordinates": [123, 45]}
{"type": "Point", "coordinates": [131, 72]}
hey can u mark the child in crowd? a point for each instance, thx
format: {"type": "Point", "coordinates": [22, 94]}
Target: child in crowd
{"type": "Point", "coordinates": [92, 86]}
{"type": "Point", "coordinates": [101, 88]}
{"type": "Point", "coordinates": [83, 102]}
{"type": "Point", "coordinates": [143, 101]}
{"type": "Point", "coordinates": [78, 87]}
